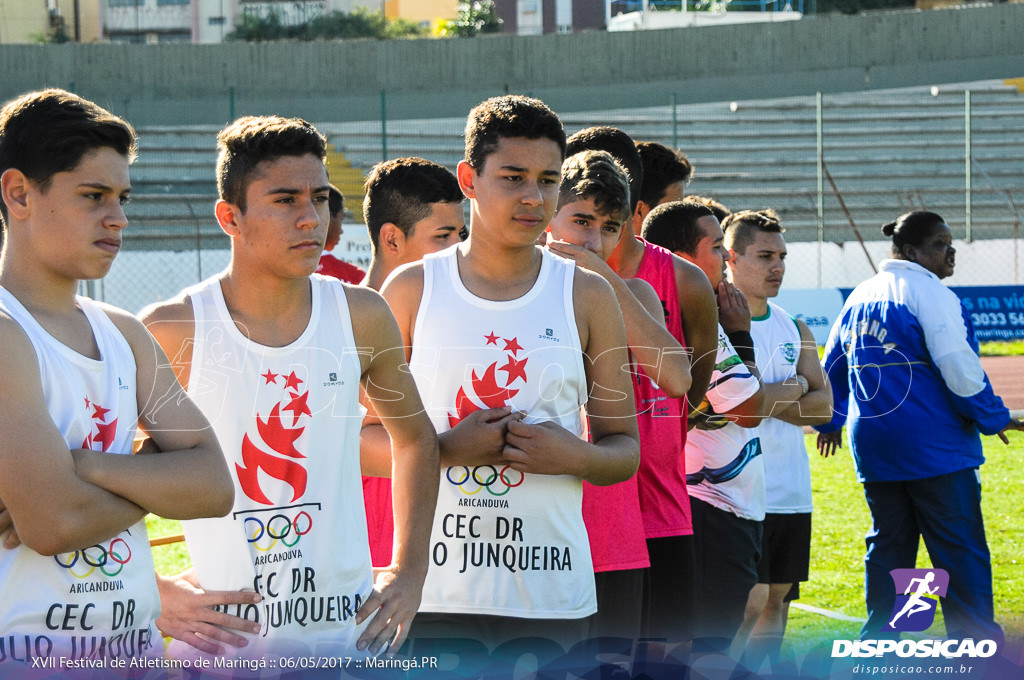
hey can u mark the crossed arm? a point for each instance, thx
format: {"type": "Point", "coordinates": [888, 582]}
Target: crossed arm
{"type": "Point", "coordinates": [58, 499]}
{"type": "Point", "coordinates": [787, 401]}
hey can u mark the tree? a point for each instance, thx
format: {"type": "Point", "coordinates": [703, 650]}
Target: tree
{"type": "Point", "coordinates": [360, 23]}
{"type": "Point", "coordinates": [474, 18]}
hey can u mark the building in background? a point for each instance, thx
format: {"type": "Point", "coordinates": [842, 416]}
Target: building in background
{"type": "Point", "coordinates": [32, 21]}
{"type": "Point", "coordinates": [535, 17]}
{"type": "Point", "coordinates": [205, 21]}
{"type": "Point", "coordinates": [426, 13]}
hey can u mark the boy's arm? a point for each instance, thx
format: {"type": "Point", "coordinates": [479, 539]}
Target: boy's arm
{"type": "Point", "coordinates": [546, 448]}
{"type": "Point", "coordinates": [415, 470]}
{"type": "Point", "coordinates": [479, 438]}
{"type": "Point", "coordinates": [650, 343]}
{"type": "Point", "coordinates": [654, 349]}
{"type": "Point", "coordinates": [788, 401]}
{"type": "Point", "coordinates": [51, 507]}
{"type": "Point", "coordinates": [188, 612]}
{"type": "Point", "coordinates": [698, 307]}
{"type": "Point", "coordinates": [189, 477]}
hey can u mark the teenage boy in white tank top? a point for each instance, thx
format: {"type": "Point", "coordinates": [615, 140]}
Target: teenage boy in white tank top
{"type": "Point", "coordinates": [279, 377]}
{"type": "Point", "coordinates": [76, 379]}
{"type": "Point", "coordinates": [527, 310]}
{"type": "Point", "coordinates": [797, 394]}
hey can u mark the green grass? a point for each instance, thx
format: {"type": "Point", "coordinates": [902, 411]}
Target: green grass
{"type": "Point", "coordinates": [1002, 348]}
{"type": "Point", "coordinates": [169, 559]}
{"type": "Point", "coordinates": [837, 551]}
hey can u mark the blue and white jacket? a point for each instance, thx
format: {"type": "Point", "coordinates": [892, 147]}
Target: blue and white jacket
{"type": "Point", "coordinates": [904, 349]}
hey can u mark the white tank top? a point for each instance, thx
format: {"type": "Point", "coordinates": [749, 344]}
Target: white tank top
{"type": "Point", "coordinates": [100, 602]}
{"type": "Point", "coordinates": [504, 543]}
{"type": "Point", "coordinates": [288, 421]}
{"type": "Point", "coordinates": [787, 472]}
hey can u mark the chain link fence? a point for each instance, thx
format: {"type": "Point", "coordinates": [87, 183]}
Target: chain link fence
{"type": "Point", "coordinates": [834, 167]}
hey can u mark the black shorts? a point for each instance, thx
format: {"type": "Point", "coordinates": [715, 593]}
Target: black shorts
{"type": "Point", "coordinates": [728, 548]}
{"type": "Point", "coordinates": [669, 606]}
{"type": "Point", "coordinates": [785, 550]}
{"type": "Point", "coordinates": [619, 603]}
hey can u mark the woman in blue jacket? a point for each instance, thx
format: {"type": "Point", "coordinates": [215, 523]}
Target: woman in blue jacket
{"type": "Point", "coordinates": [903, 362]}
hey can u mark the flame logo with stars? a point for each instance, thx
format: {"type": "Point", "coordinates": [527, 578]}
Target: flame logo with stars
{"type": "Point", "coordinates": [102, 437]}
{"type": "Point", "coordinates": [277, 434]}
{"type": "Point", "coordinates": [485, 392]}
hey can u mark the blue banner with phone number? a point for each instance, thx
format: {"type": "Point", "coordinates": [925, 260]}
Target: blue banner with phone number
{"type": "Point", "coordinates": [997, 312]}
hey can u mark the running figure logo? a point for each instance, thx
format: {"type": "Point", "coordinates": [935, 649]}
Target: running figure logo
{"type": "Point", "coordinates": [917, 597]}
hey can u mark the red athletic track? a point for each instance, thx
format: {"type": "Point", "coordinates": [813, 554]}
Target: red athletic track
{"type": "Point", "coordinates": [1007, 376]}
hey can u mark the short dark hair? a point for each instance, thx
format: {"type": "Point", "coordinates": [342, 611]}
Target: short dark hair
{"type": "Point", "coordinates": [508, 116]}
{"type": "Point", "coordinates": [721, 212]}
{"type": "Point", "coordinates": [402, 190]}
{"type": "Point", "coordinates": [335, 201]}
{"type": "Point", "coordinates": [662, 166]}
{"type": "Point", "coordinates": [674, 226]}
{"type": "Point", "coordinates": [911, 228]}
{"type": "Point", "coordinates": [49, 131]}
{"type": "Point", "coordinates": [597, 176]}
{"type": "Point", "coordinates": [250, 140]}
{"type": "Point", "coordinates": [618, 144]}
{"type": "Point", "coordinates": [739, 227]}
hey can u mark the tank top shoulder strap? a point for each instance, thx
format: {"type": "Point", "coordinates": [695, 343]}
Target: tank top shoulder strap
{"type": "Point", "coordinates": [203, 313]}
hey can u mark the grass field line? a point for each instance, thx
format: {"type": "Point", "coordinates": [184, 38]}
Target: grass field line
{"type": "Point", "coordinates": [838, 616]}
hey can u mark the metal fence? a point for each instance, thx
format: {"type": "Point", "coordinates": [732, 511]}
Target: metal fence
{"type": "Point", "coordinates": [834, 167]}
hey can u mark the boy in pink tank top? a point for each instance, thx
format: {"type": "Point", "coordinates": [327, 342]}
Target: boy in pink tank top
{"type": "Point", "coordinates": [593, 209]}
{"type": "Point", "coordinates": [691, 317]}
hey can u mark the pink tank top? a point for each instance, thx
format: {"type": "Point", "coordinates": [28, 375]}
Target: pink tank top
{"type": "Point", "coordinates": [664, 501]}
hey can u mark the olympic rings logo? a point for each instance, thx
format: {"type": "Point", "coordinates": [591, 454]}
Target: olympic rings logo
{"type": "Point", "coordinates": [485, 477]}
{"type": "Point", "coordinates": [109, 560]}
{"type": "Point", "coordinates": [278, 528]}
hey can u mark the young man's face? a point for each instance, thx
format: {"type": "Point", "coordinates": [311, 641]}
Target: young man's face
{"type": "Point", "coordinates": [582, 224]}
{"type": "Point", "coordinates": [81, 214]}
{"type": "Point", "coordinates": [758, 271]}
{"type": "Point", "coordinates": [516, 191]}
{"type": "Point", "coordinates": [438, 230]}
{"type": "Point", "coordinates": [284, 226]}
{"type": "Point", "coordinates": [710, 254]}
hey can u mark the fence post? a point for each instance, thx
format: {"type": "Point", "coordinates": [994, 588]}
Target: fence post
{"type": "Point", "coordinates": [675, 123]}
{"type": "Point", "coordinates": [967, 164]}
{"type": "Point", "coordinates": [819, 141]}
{"type": "Point", "coordinates": [383, 125]}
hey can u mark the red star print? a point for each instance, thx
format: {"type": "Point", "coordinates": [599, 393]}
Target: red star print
{"type": "Point", "coordinates": [87, 403]}
{"type": "Point", "coordinates": [269, 377]}
{"type": "Point", "coordinates": [105, 435]}
{"type": "Point", "coordinates": [492, 339]}
{"type": "Point", "coordinates": [515, 369]}
{"type": "Point", "coordinates": [99, 413]}
{"type": "Point", "coordinates": [292, 382]}
{"type": "Point", "coordinates": [512, 345]}
{"type": "Point", "coordinates": [298, 406]}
